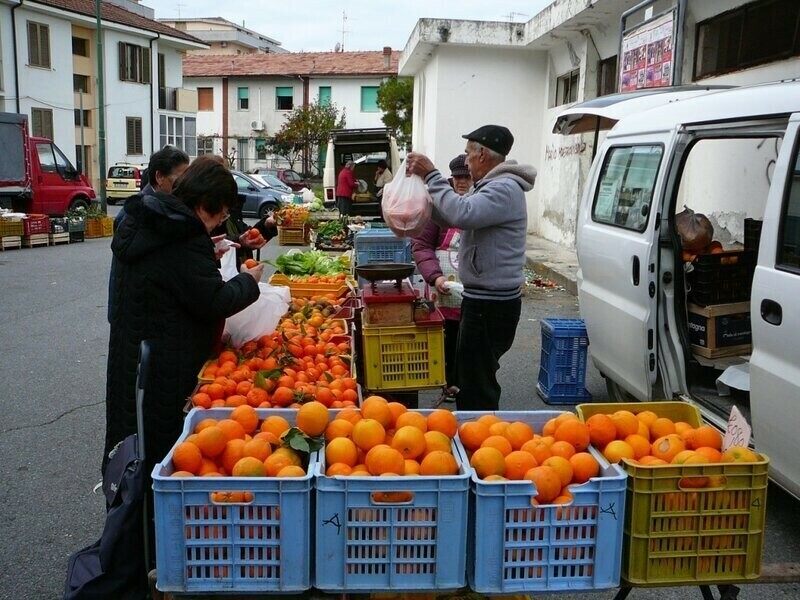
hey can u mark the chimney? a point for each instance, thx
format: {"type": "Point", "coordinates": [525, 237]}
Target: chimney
{"type": "Point", "coordinates": [387, 56]}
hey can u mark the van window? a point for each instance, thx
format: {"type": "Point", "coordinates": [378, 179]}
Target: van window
{"type": "Point", "coordinates": [46, 158]}
{"type": "Point", "coordinates": [789, 249]}
{"type": "Point", "coordinates": [625, 190]}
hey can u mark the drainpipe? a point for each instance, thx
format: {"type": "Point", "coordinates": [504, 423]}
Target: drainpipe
{"type": "Point", "coordinates": [306, 93]}
{"type": "Point", "coordinates": [677, 69]}
{"type": "Point", "coordinates": [152, 108]}
{"type": "Point", "coordinates": [225, 117]}
{"type": "Point", "coordinates": [14, 42]}
{"type": "Point", "coordinates": [101, 113]}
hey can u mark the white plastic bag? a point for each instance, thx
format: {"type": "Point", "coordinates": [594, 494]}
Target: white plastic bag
{"type": "Point", "coordinates": [228, 262]}
{"type": "Point", "coordinates": [260, 318]}
{"type": "Point", "coordinates": [307, 195]}
{"type": "Point", "coordinates": [406, 204]}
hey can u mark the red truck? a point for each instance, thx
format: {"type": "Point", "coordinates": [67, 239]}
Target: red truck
{"type": "Point", "coordinates": [35, 176]}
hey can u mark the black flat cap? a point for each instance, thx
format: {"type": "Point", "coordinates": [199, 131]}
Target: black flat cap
{"type": "Point", "coordinates": [494, 137]}
{"type": "Point", "coordinates": [458, 166]}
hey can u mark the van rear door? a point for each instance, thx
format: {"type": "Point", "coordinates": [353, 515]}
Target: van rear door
{"type": "Point", "coordinates": [775, 319]}
{"type": "Point", "coordinates": [617, 254]}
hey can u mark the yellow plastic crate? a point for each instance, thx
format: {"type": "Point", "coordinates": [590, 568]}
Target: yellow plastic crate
{"type": "Point", "coordinates": [680, 535]}
{"type": "Point", "coordinates": [99, 227]}
{"type": "Point", "coordinates": [408, 357]}
{"type": "Point", "coordinates": [305, 290]}
{"type": "Point", "coordinates": [200, 377]}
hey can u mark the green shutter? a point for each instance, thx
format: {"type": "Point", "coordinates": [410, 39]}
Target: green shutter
{"type": "Point", "coordinates": [325, 96]}
{"type": "Point", "coordinates": [244, 93]}
{"type": "Point", "coordinates": [369, 99]}
{"type": "Point", "coordinates": [145, 65]}
{"type": "Point", "coordinates": [284, 92]}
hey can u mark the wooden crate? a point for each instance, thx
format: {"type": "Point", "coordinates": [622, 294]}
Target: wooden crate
{"type": "Point", "coordinates": [293, 236]}
{"type": "Point", "coordinates": [11, 241]}
{"type": "Point", "coordinates": [720, 329]}
{"type": "Point", "coordinates": [59, 238]}
{"type": "Point", "coordinates": [37, 239]}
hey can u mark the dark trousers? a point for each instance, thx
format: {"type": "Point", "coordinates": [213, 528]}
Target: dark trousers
{"type": "Point", "coordinates": [485, 334]}
{"type": "Point", "coordinates": [450, 344]}
{"type": "Point", "coordinates": [344, 204]}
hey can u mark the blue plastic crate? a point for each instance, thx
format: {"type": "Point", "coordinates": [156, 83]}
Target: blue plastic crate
{"type": "Point", "coordinates": [365, 544]}
{"type": "Point", "coordinates": [562, 368]}
{"type": "Point", "coordinates": [206, 546]}
{"type": "Point", "coordinates": [514, 547]}
{"type": "Point", "coordinates": [372, 246]}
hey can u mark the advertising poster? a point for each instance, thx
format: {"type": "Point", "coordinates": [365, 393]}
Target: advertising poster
{"type": "Point", "coordinates": [647, 54]}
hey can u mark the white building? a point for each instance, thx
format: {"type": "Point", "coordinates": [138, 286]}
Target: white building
{"type": "Point", "coordinates": [244, 100]}
{"type": "Point", "coordinates": [523, 75]}
{"type": "Point", "coordinates": [225, 37]}
{"type": "Point", "coordinates": [52, 72]}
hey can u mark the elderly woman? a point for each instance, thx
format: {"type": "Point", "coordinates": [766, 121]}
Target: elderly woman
{"type": "Point", "coordinates": [168, 290]}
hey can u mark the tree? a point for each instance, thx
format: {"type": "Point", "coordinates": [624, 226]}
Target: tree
{"type": "Point", "coordinates": [306, 128]}
{"type": "Point", "coordinates": [396, 100]}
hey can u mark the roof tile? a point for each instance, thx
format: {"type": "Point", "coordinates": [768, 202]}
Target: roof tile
{"type": "Point", "coordinates": [319, 64]}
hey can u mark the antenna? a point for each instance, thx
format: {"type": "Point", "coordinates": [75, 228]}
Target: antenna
{"type": "Point", "coordinates": [344, 29]}
{"type": "Point", "coordinates": [179, 5]}
{"type": "Point", "coordinates": [513, 15]}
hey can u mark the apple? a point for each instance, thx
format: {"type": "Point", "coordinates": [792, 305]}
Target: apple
{"type": "Point", "coordinates": [739, 454]}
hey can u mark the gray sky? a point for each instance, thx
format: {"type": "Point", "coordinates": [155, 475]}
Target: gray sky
{"type": "Point", "coordinates": [316, 25]}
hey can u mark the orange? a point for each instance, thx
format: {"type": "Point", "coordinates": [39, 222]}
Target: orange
{"type": "Point", "coordinates": [255, 396]}
{"type": "Point", "coordinates": [497, 428]}
{"type": "Point", "coordinates": [201, 400]}
{"type": "Point", "coordinates": [436, 440]}
{"type": "Point", "coordinates": [187, 457]}
{"type": "Point", "coordinates": [472, 434]}
{"type": "Point", "coordinates": [443, 421]}
{"type": "Point", "coordinates": [233, 429]}
{"type": "Point", "coordinates": [684, 455]}
{"type": "Point", "coordinates": [518, 463]}
{"type": "Point", "coordinates": [291, 471]}
{"type": "Point", "coordinates": [666, 447]}
{"type": "Point", "coordinates": [338, 469]}
{"type": "Point", "coordinates": [438, 463]}
{"type": "Point", "coordinates": [246, 416]}
{"type": "Point", "coordinates": [705, 436]}
{"type": "Point", "coordinates": [275, 424]}
{"type": "Point", "coordinates": [500, 442]}
{"type": "Point", "coordinates": [644, 430]}
{"type": "Point", "coordinates": [292, 455]}
{"type": "Point", "coordinates": [236, 400]}
{"type": "Point", "coordinates": [539, 449]}
{"type": "Point", "coordinates": [489, 419]}
{"type": "Point", "coordinates": [409, 441]}
{"type": "Point", "coordinates": [562, 466]}
{"type": "Point", "coordinates": [738, 454]}
{"type": "Point", "coordinates": [205, 423]}
{"type": "Point", "coordinates": [350, 414]}
{"type": "Point", "coordinates": [563, 449]}
{"type": "Point", "coordinates": [640, 445]}
{"type": "Point", "coordinates": [338, 428]}
{"type": "Point", "coordinates": [211, 441]}
{"type": "Point", "coordinates": [208, 466]}
{"type": "Point", "coordinates": [549, 427]}
{"type": "Point", "coordinates": [617, 450]}
{"type": "Point", "coordinates": [495, 478]}
{"type": "Point", "coordinates": [275, 462]}
{"type": "Point", "coordinates": [661, 427]}
{"type": "Point", "coordinates": [341, 450]}
{"type": "Point", "coordinates": [411, 467]}
{"type": "Point", "coordinates": [625, 422]}
{"type": "Point", "coordinates": [712, 454]}
{"type": "Point", "coordinates": [650, 461]}
{"type": "Point", "coordinates": [518, 433]}
{"type": "Point", "coordinates": [574, 432]}
{"type": "Point", "coordinates": [584, 467]}
{"type": "Point", "coordinates": [377, 408]}
{"type": "Point", "coordinates": [647, 417]}
{"type": "Point", "coordinates": [547, 482]}
{"type": "Point", "coordinates": [383, 459]}
{"type": "Point", "coordinates": [413, 419]}
{"type": "Point", "coordinates": [368, 433]}
{"type": "Point", "coordinates": [234, 450]}
{"type": "Point", "coordinates": [601, 430]}
{"type": "Point", "coordinates": [248, 466]}
{"type": "Point", "coordinates": [259, 449]}
{"type": "Point", "coordinates": [488, 461]}
{"type": "Point", "coordinates": [312, 418]}
{"type": "Point", "coordinates": [182, 474]}
{"type": "Point", "coordinates": [397, 409]}
{"type": "Point", "coordinates": [682, 427]}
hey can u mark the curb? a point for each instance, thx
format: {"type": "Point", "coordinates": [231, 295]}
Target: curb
{"type": "Point", "coordinates": [547, 270]}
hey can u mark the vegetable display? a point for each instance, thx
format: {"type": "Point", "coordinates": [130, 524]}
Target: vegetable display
{"type": "Point", "coordinates": [310, 263]}
{"type": "Point", "coordinates": [291, 216]}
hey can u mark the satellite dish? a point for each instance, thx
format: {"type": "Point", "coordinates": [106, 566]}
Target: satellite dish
{"type": "Point", "coordinates": [337, 47]}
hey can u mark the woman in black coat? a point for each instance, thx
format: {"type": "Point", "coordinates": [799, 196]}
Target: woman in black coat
{"type": "Point", "coordinates": [168, 290]}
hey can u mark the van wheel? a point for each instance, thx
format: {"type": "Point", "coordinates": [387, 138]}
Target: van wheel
{"type": "Point", "coordinates": [79, 204]}
{"type": "Point", "coordinates": [617, 393]}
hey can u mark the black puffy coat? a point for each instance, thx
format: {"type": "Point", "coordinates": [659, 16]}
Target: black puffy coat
{"type": "Point", "coordinates": [167, 289]}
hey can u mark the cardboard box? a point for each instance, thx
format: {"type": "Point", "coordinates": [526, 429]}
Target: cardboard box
{"type": "Point", "coordinates": [720, 329]}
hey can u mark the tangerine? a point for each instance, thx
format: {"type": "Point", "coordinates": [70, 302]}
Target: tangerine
{"type": "Point", "coordinates": [472, 434]}
{"type": "Point", "coordinates": [438, 463]}
{"type": "Point", "coordinates": [383, 459]}
{"type": "Point", "coordinates": [409, 440]}
{"type": "Point", "coordinates": [248, 466]}
{"type": "Point", "coordinates": [368, 433]}
{"type": "Point", "coordinates": [584, 467]}
{"type": "Point", "coordinates": [313, 418]}
{"type": "Point", "coordinates": [617, 450]}
{"type": "Point", "coordinates": [377, 408]}
{"type": "Point", "coordinates": [414, 419]}
{"type": "Point", "coordinates": [547, 482]}
{"type": "Point", "coordinates": [500, 442]}
{"type": "Point", "coordinates": [436, 440]}
{"type": "Point", "coordinates": [275, 424]}
{"type": "Point", "coordinates": [291, 471]}
{"type": "Point", "coordinates": [234, 450]}
{"type": "Point", "coordinates": [338, 428]}
{"type": "Point", "coordinates": [705, 436]}
{"type": "Point", "coordinates": [488, 460]}
{"type": "Point", "coordinates": [187, 457]}
{"type": "Point", "coordinates": [257, 448]}
{"type": "Point", "coordinates": [562, 466]}
{"type": "Point", "coordinates": [444, 421]}
{"type": "Point", "coordinates": [246, 416]}
{"type": "Point", "coordinates": [518, 463]}
{"type": "Point", "coordinates": [562, 448]}
{"type": "Point", "coordinates": [518, 433]}
{"type": "Point", "coordinates": [626, 423]}
{"type": "Point", "coordinates": [211, 441]}
{"type": "Point", "coordinates": [601, 430]}
{"type": "Point", "coordinates": [661, 427]}
{"type": "Point", "coordinates": [341, 450]}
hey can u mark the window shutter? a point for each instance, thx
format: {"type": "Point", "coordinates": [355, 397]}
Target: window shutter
{"type": "Point", "coordinates": [138, 136]}
{"type": "Point", "coordinates": [47, 123]}
{"type": "Point", "coordinates": [36, 122]}
{"type": "Point", "coordinates": [122, 62]}
{"type": "Point", "coordinates": [44, 45]}
{"type": "Point", "coordinates": [145, 65]}
{"type": "Point", "coordinates": [130, 132]}
{"type": "Point", "coordinates": [33, 44]}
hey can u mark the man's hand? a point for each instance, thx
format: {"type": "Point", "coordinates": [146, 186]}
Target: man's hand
{"type": "Point", "coordinates": [418, 164]}
{"type": "Point", "coordinates": [440, 286]}
{"type": "Point", "coordinates": [252, 239]}
{"type": "Point", "coordinates": [254, 272]}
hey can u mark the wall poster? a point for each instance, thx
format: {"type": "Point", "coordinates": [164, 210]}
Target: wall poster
{"type": "Point", "coordinates": [647, 52]}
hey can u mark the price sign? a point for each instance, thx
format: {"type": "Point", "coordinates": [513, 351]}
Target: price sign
{"type": "Point", "coordinates": [738, 431]}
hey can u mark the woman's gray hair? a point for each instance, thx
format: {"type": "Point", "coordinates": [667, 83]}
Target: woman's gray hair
{"type": "Point", "coordinates": [348, 164]}
{"type": "Point", "coordinates": [493, 155]}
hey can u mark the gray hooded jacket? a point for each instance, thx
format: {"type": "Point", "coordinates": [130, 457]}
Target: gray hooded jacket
{"type": "Point", "coordinates": [493, 217]}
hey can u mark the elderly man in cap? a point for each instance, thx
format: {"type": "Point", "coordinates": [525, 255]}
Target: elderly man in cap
{"type": "Point", "coordinates": [493, 218]}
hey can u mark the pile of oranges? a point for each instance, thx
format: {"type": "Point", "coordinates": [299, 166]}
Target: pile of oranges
{"type": "Point", "coordinates": [645, 438]}
{"type": "Point", "coordinates": [306, 358]}
{"type": "Point", "coordinates": [552, 460]}
{"type": "Point", "coordinates": [316, 278]}
{"type": "Point", "coordinates": [386, 439]}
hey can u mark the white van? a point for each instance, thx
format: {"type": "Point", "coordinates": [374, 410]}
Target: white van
{"type": "Point", "coordinates": [734, 156]}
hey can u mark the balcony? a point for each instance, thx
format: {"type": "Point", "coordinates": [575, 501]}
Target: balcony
{"type": "Point", "coordinates": [177, 99]}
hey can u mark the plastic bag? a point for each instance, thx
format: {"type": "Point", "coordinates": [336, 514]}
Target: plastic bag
{"type": "Point", "coordinates": [307, 195]}
{"type": "Point", "coordinates": [227, 263]}
{"type": "Point", "coordinates": [260, 318]}
{"type": "Point", "coordinates": [406, 204]}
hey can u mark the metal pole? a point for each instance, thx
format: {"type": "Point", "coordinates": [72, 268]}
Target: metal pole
{"type": "Point", "coordinates": [83, 145]}
{"type": "Point", "coordinates": [101, 107]}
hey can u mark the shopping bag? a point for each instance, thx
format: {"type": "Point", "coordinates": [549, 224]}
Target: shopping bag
{"type": "Point", "coordinates": [227, 263]}
{"type": "Point", "coordinates": [260, 318]}
{"type": "Point", "coordinates": [406, 204]}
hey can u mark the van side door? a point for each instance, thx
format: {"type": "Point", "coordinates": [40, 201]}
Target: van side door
{"type": "Point", "coordinates": [775, 319]}
{"type": "Point", "coordinates": [617, 255]}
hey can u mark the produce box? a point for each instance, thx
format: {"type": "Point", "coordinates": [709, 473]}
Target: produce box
{"type": "Point", "coordinates": [380, 246]}
{"type": "Point", "coordinates": [312, 289]}
{"type": "Point", "coordinates": [11, 227]}
{"type": "Point", "coordinates": [391, 533]}
{"type": "Point", "coordinates": [516, 547]}
{"type": "Point", "coordinates": [722, 278]}
{"type": "Point", "coordinates": [261, 545]}
{"type": "Point", "coordinates": [97, 227]}
{"type": "Point", "coordinates": [562, 368]}
{"type": "Point", "coordinates": [720, 329]}
{"type": "Point", "coordinates": [681, 535]}
{"type": "Point", "coordinates": [293, 236]}
{"type": "Point", "coordinates": [34, 224]}
{"type": "Point", "coordinates": [406, 357]}
{"type": "Point", "coordinates": [36, 239]}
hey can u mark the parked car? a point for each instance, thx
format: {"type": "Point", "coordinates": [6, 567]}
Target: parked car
{"type": "Point", "coordinates": [123, 181]}
{"type": "Point", "coordinates": [289, 177]}
{"type": "Point", "coordinates": [259, 199]}
{"type": "Point", "coordinates": [271, 181]}
{"type": "Point", "coordinates": [666, 319]}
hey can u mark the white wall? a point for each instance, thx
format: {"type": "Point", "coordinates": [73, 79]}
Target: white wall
{"type": "Point", "coordinates": [346, 94]}
{"type": "Point", "coordinates": [209, 122]}
{"type": "Point", "coordinates": [7, 90]}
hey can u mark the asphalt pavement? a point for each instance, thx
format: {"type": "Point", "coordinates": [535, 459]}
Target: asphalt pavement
{"type": "Point", "coordinates": [54, 333]}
